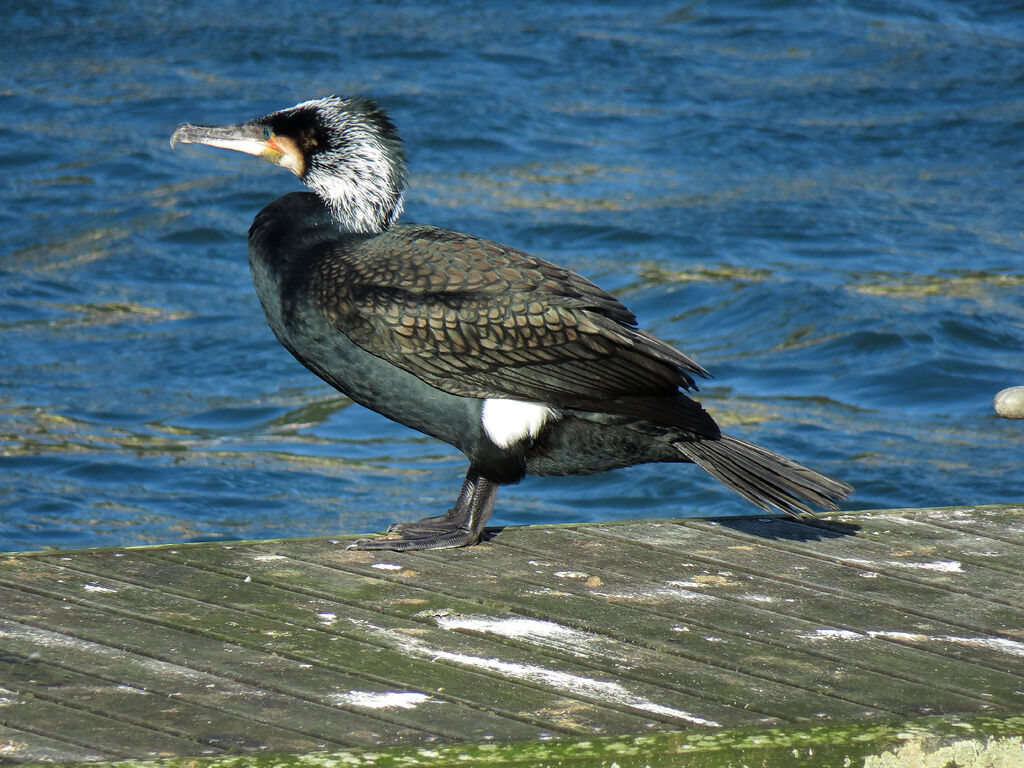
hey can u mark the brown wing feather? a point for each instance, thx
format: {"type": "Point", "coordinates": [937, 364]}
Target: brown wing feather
{"type": "Point", "coordinates": [477, 319]}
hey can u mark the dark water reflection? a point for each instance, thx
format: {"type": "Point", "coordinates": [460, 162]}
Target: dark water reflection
{"type": "Point", "coordinates": [817, 201]}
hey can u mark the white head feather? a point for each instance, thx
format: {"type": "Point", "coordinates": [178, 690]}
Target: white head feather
{"type": "Point", "coordinates": [351, 156]}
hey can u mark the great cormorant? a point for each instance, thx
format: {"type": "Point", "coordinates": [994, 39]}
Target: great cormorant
{"type": "Point", "coordinates": [524, 366]}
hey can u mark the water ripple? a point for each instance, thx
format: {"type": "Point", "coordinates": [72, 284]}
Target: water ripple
{"type": "Point", "coordinates": [815, 201]}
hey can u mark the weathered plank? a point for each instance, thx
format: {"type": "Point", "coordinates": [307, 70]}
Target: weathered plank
{"type": "Point", "coordinates": [193, 709]}
{"type": "Point", "coordinates": [273, 655]}
{"type": "Point", "coordinates": [394, 652]}
{"type": "Point", "coordinates": [703, 635]}
{"type": "Point", "coordinates": [580, 650]}
{"type": "Point", "coordinates": [690, 648]}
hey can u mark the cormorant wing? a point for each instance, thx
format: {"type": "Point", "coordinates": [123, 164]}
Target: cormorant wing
{"type": "Point", "coordinates": [474, 318]}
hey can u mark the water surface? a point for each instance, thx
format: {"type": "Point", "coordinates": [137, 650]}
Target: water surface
{"type": "Point", "coordinates": [820, 202]}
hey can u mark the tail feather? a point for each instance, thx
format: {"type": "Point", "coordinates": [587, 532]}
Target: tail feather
{"type": "Point", "coordinates": [765, 478]}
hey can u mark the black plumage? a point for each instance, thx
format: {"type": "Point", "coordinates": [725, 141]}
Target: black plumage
{"type": "Point", "coordinates": [524, 366]}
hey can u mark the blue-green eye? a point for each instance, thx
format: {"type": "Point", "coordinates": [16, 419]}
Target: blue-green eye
{"type": "Point", "coordinates": [266, 132]}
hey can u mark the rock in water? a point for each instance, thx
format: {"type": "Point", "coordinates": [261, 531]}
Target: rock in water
{"type": "Point", "coordinates": [1009, 403]}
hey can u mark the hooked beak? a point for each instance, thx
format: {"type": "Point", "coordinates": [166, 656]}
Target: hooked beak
{"type": "Point", "coordinates": [251, 138]}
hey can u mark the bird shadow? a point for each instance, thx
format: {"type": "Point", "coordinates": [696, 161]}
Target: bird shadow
{"type": "Point", "coordinates": [789, 529]}
{"type": "Point", "coordinates": [490, 532]}
{"type": "Point", "coordinates": [774, 528]}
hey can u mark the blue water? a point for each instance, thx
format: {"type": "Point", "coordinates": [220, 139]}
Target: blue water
{"type": "Point", "coordinates": [820, 202]}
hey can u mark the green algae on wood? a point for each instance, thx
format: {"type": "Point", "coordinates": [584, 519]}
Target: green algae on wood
{"type": "Point", "coordinates": [979, 742]}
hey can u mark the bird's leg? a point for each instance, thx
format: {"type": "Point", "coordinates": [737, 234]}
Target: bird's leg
{"type": "Point", "coordinates": [460, 526]}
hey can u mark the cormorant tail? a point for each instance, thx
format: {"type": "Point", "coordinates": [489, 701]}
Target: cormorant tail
{"type": "Point", "coordinates": [765, 478]}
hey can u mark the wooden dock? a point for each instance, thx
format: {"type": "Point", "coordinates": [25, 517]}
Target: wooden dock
{"type": "Point", "coordinates": [880, 639]}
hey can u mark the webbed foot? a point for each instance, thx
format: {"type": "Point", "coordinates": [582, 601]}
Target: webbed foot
{"type": "Point", "coordinates": [460, 526]}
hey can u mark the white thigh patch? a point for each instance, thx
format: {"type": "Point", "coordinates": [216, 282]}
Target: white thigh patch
{"type": "Point", "coordinates": [509, 421]}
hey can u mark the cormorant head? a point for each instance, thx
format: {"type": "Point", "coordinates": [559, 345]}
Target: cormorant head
{"type": "Point", "coordinates": [344, 149]}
